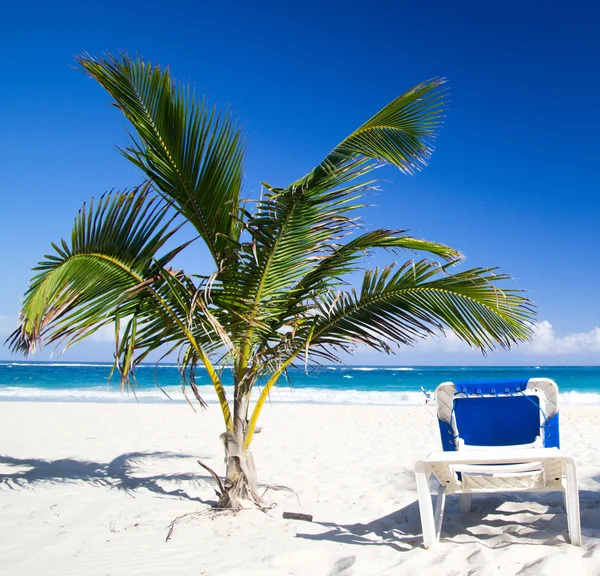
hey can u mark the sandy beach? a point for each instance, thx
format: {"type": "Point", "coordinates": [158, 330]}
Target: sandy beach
{"type": "Point", "coordinates": [92, 489]}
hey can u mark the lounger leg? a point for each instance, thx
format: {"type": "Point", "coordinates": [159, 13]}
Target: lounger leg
{"type": "Point", "coordinates": [567, 506]}
{"type": "Point", "coordinates": [425, 505]}
{"type": "Point", "coordinates": [465, 503]}
{"type": "Point", "coordinates": [572, 500]}
{"type": "Point", "coordinates": [439, 510]}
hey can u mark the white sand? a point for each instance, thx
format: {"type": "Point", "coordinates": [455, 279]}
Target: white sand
{"type": "Point", "coordinates": [92, 488]}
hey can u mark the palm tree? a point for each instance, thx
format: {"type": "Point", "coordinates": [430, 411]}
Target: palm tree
{"type": "Point", "coordinates": [276, 296]}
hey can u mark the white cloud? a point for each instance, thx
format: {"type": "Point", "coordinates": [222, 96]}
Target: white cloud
{"type": "Point", "coordinates": [545, 341]}
{"type": "Point", "coordinates": [103, 334]}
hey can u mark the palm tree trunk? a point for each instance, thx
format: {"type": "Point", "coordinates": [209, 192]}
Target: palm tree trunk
{"type": "Point", "coordinates": [240, 486]}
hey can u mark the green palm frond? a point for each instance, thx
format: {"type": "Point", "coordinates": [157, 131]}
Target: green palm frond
{"type": "Point", "coordinates": [113, 246]}
{"type": "Point", "coordinates": [192, 154]}
{"type": "Point", "coordinates": [175, 317]}
{"type": "Point", "coordinates": [331, 271]}
{"type": "Point", "coordinates": [401, 135]}
{"type": "Point", "coordinates": [111, 272]}
{"type": "Point", "coordinates": [419, 298]}
{"type": "Point", "coordinates": [345, 258]}
{"type": "Point", "coordinates": [291, 231]}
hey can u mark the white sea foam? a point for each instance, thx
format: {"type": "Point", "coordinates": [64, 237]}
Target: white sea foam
{"type": "Point", "coordinates": [91, 365]}
{"type": "Point", "coordinates": [399, 369]}
{"type": "Point", "coordinates": [97, 394]}
{"type": "Point", "coordinates": [55, 364]}
{"type": "Point", "coordinates": [283, 394]}
{"type": "Point", "coordinates": [360, 368]}
{"type": "Point", "coordinates": [574, 397]}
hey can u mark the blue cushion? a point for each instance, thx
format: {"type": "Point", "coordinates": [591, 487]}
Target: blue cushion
{"type": "Point", "coordinates": [498, 419]}
{"type": "Point", "coordinates": [501, 421]}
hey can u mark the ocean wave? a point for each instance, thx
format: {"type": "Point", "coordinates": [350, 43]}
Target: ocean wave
{"type": "Point", "coordinates": [106, 365]}
{"type": "Point", "coordinates": [55, 365]}
{"type": "Point", "coordinates": [574, 397]}
{"type": "Point", "coordinates": [281, 395]}
{"type": "Point", "coordinates": [389, 368]}
{"type": "Point", "coordinates": [100, 394]}
{"type": "Point", "coordinates": [152, 395]}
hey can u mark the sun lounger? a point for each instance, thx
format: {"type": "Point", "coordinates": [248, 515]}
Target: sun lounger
{"type": "Point", "coordinates": [499, 436]}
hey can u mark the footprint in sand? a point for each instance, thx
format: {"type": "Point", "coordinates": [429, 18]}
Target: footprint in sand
{"type": "Point", "coordinates": [343, 566]}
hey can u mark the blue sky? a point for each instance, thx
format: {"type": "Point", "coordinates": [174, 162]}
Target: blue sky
{"type": "Point", "coordinates": [513, 183]}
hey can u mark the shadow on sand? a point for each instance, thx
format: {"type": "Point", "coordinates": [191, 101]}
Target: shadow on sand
{"type": "Point", "coordinates": [119, 473]}
{"type": "Point", "coordinates": [544, 522]}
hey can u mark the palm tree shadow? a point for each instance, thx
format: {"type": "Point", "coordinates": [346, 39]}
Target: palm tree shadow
{"type": "Point", "coordinates": [119, 474]}
{"type": "Point", "coordinates": [401, 530]}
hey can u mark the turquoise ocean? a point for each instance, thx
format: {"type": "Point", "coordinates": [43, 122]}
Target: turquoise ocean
{"type": "Point", "coordinates": [388, 385]}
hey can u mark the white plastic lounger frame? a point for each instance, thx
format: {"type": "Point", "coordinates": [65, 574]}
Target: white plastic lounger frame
{"type": "Point", "coordinates": [526, 469]}
{"type": "Point", "coordinates": [466, 470]}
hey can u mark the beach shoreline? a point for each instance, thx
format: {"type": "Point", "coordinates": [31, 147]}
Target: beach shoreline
{"type": "Point", "coordinates": [93, 487]}
{"type": "Point", "coordinates": [334, 385]}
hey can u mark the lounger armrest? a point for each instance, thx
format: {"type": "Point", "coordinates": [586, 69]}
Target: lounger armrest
{"type": "Point", "coordinates": [496, 456]}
